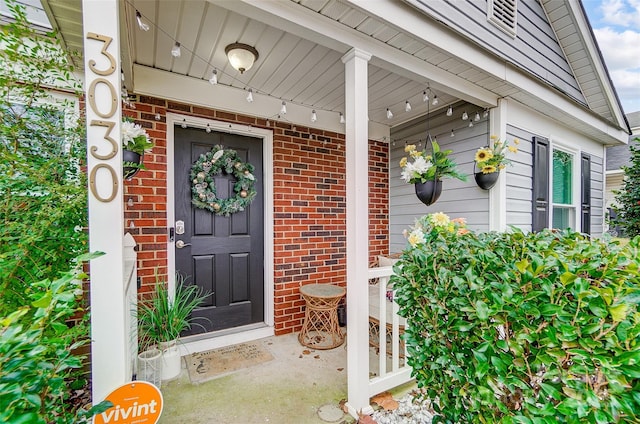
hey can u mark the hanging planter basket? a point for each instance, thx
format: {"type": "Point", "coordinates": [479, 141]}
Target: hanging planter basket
{"type": "Point", "coordinates": [429, 192]}
{"type": "Point", "coordinates": [486, 181]}
{"type": "Point", "coordinates": [132, 163]}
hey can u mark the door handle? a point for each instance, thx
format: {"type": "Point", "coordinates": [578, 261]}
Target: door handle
{"type": "Point", "coordinates": [180, 244]}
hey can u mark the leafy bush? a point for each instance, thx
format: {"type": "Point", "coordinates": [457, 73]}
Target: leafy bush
{"type": "Point", "coordinates": [521, 328]}
{"type": "Point", "coordinates": [42, 188]}
{"type": "Point", "coordinates": [37, 363]}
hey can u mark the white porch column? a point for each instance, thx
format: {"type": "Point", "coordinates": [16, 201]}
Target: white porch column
{"type": "Point", "coordinates": [498, 194]}
{"type": "Point", "coordinates": [106, 229]}
{"type": "Point", "coordinates": [357, 180]}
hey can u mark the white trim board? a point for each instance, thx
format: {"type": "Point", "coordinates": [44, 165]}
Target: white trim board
{"type": "Point", "coordinates": [267, 162]}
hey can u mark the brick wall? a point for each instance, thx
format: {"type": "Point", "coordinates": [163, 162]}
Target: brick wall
{"type": "Point", "coordinates": [309, 203]}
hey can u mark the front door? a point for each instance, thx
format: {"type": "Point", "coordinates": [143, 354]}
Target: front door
{"type": "Point", "coordinates": [223, 255]}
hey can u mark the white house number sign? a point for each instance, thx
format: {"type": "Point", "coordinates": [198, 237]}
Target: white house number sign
{"type": "Point", "coordinates": [107, 122]}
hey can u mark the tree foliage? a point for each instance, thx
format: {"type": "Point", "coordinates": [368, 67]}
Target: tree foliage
{"type": "Point", "coordinates": [43, 213]}
{"type": "Point", "coordinates": [628, 198]}
{"type": "Point", "coordinates": [43, 191]}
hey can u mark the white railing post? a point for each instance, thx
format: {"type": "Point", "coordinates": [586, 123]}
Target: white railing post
{"type": "Point", "coordinates": [131, 301]}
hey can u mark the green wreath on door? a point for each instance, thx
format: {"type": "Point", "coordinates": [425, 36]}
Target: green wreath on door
{"type": "Point", "coordinates": [203, 188]}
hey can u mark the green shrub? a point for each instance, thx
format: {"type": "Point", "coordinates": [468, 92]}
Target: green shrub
{"type": "Point", "coordinates": [43, 195]}
{"type": "Point", "coordinates": [37, 363]}
{"type": "Point", "coordinates": [521, 328]}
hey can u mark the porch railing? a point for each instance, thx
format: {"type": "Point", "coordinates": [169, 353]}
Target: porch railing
{"type": "Point", "coordinates": [392, 369]}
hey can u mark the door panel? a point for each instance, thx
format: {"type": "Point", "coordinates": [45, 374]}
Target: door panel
{"type": "Point", "coordinates": [224, 255]}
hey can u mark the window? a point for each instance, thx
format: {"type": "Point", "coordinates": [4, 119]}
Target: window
{"type": "Point", "coordinates": [563, 207]}
{"type": "Point", "coordinates": [503, 14]}
{"type": "Point", "coordinates": [561, 191]}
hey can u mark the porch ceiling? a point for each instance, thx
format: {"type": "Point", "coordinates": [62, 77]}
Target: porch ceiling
{"type": "Point", "coordinates": [300, 62]}
{"type": "Point", "coordinates": [297, 66]}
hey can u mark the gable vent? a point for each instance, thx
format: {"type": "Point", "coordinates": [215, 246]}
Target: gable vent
{"type": "Point", "coordinates": [503, 14]}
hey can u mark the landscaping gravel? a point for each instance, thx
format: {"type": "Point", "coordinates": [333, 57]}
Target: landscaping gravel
{"type": "Point", "coordinates": [411, 410]}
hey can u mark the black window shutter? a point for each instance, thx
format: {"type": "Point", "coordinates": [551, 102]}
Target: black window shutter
{"type": "Point", "coordinates": [585, 189]}
{"type": "Point", "coordinates": [540, 200]}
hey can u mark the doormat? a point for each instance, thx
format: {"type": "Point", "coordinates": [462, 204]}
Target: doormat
{"type": "Point", "coordinates": [208, 365]}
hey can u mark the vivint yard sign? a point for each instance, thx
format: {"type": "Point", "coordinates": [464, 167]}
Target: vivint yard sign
{"type": "Point", "coordinates": [137, 402]}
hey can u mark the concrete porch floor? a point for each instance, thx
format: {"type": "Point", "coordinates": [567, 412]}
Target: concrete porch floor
{"type": "Point", "coordinates": [289, 389]}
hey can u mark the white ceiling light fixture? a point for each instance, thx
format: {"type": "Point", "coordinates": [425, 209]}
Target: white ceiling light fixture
{"type": "Point", "coordinates": [214, 77]}
{"type": "Point", "coordinates": [342, 120]}
{"type": "Point", "coordinates": [407, 106]}
{"type": "Point", "coordinates": [283, 109]}
{"type": "Point", "coordinates": [389, 114]}
{"type": "Point", "coordinates": [241, 56]}
{"type": "Point", "coordinates": [314, 116]}
{"type": "Point", "coordinates": [450, 111]}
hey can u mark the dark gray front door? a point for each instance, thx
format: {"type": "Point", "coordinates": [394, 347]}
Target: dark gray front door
{"type": "Point", "coordinates": [222, 255]}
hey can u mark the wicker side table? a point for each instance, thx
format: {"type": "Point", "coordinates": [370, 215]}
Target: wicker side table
{"type": "Point", "coordinates": [321, 329]}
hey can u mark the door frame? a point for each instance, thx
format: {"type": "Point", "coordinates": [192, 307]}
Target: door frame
{"type": "Point", "coordinates": [216, 339]}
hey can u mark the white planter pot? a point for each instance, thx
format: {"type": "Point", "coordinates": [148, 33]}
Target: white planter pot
{"type": "Point", "coordinates": [171, 362]}
{"type": "Point", "coordinates": [150, 366]}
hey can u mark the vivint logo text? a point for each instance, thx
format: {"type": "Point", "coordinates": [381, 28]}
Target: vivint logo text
{"type": "Point", "coordinates": [134, 411]}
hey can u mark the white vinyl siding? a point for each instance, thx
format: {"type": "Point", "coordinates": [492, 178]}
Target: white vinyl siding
{"type": "Point", "coordinates": [520, 183]}
{"type": "Point", "coordinates": [458, 199]}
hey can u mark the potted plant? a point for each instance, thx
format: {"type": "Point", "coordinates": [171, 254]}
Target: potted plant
{"type": "Point", "coordinates": [162, 318]}
{"type": "Point", "coordinates": [426, 171]}
{"type": "Point", "coordinates": [135, 142]}
{"type": "Point", "coordinates": [489, 161]}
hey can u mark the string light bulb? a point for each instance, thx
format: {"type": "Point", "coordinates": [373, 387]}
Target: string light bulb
{"type": "Point", "coordinates": [435, 100]}
{"type": "Point", "coordinates": [485, 113]}
{"type": "Point", "coordinates": [130, 202]}
{"type": "Point", "coordinates": [208, 129]}
{"type": "Point", "coordinates": [141, 24]}
{"type": "Point", "coordinates": [250, 96]}
{"type": "Point", "coordinates": [389, 114]}
{"type": "Point", "coordinates": [425, 96]}
{"type": "Point", "coordinates": [314, 116]}
{"type": "Point", "coordinates": [283, 109]}
{"type": "Point", "coordinates": [470, 123]}
{"type": "Point", "coordinates": [450, 111]}
{"type": "Point", "coordinates": [214, 77]}
{"type": "Point", "coordinates": [342, 120]}
{"type": "Point", "coordinates": [477, 117]}
{"type": "Point", "coordinates": [184, 123]}
{"type": "Point", "coordinates": [175, 50]}
{"type": "Point", "coordinates": [452, 134]}
{"type": "Point", "coordinates": [465, 116]}
{"type": "Point", "coordinates": [407, 106]}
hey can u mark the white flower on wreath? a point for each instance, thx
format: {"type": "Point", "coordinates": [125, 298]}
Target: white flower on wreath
{"type": "Point", "coordinates": [217, 155]}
